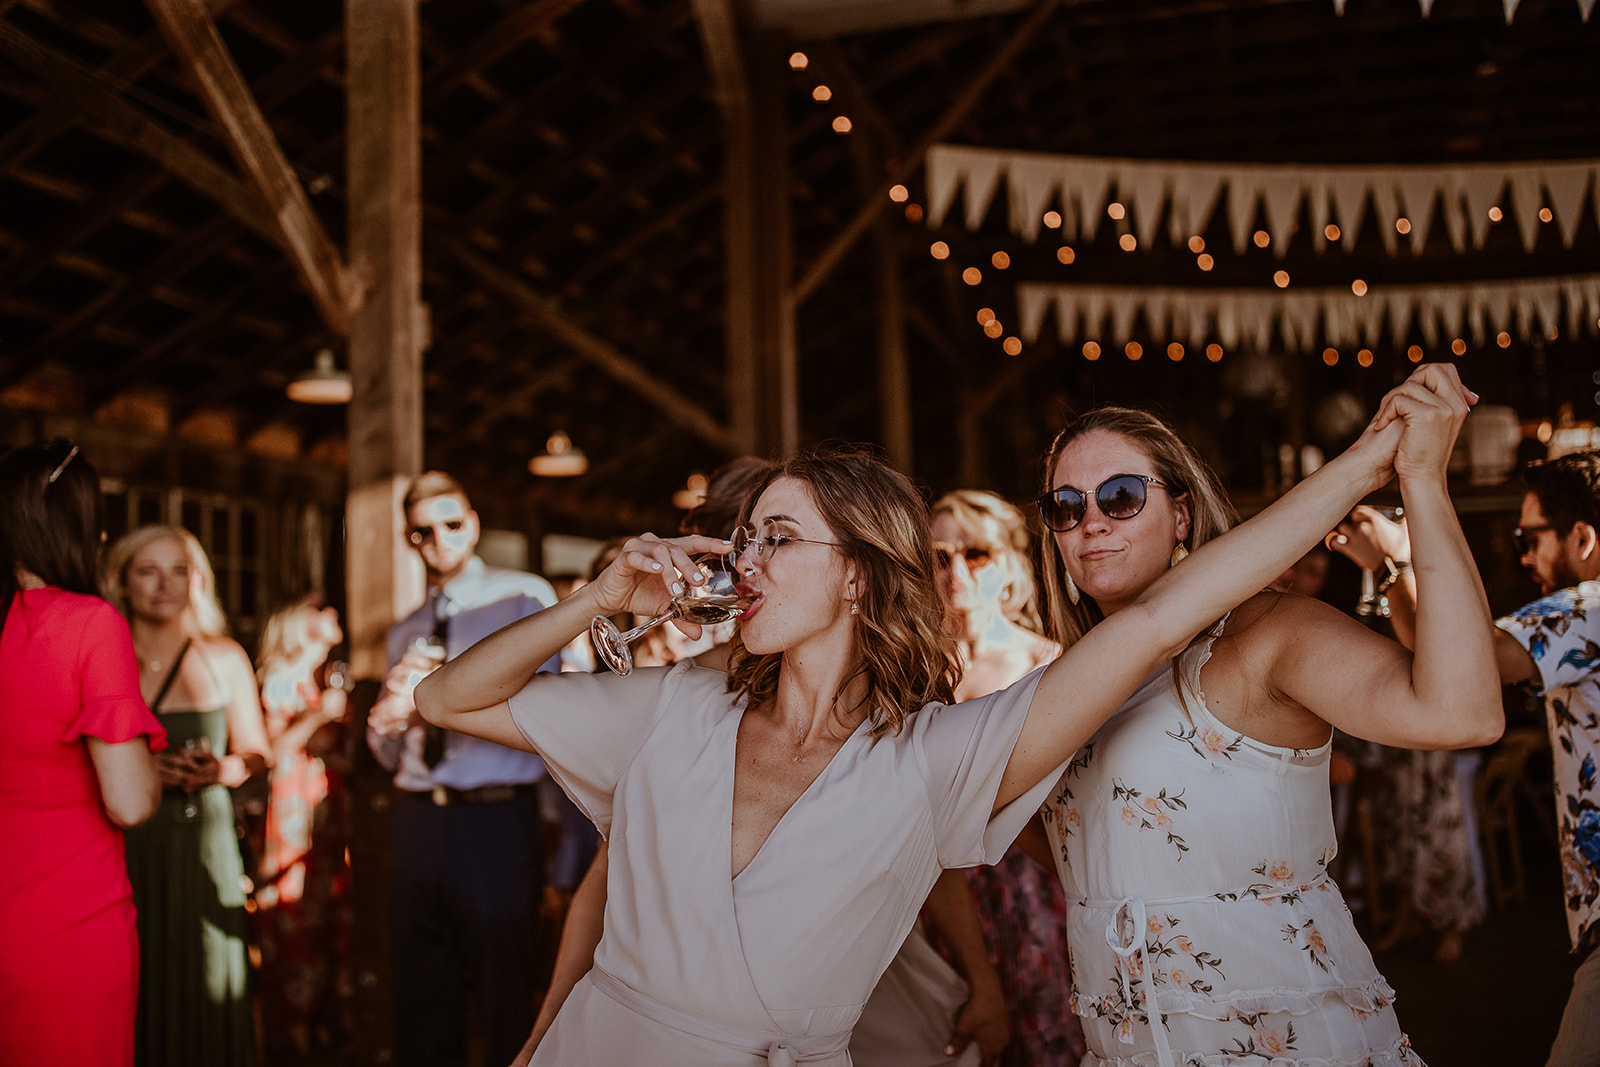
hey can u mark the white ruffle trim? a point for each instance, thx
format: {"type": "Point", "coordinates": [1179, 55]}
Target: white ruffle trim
{"type": "Point", "coordinates": [1398, 1055]}
{"type": "Point", "coordinates": [1373, 996]}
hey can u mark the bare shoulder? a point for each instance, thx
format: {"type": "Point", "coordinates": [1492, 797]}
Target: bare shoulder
{"type": "Point", "coordinates": [225, 652]}
{"type": "Point", "coordinates": [1273, 619]}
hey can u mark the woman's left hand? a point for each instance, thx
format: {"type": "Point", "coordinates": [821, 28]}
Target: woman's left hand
{"type": "Point", "coordinates": [1431, 405]}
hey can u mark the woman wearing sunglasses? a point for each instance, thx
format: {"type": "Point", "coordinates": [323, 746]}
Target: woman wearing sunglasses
{"type": "Point", "coordinates": [774, 829]}
{"type": "Point", "coordinates": [1192, 833]}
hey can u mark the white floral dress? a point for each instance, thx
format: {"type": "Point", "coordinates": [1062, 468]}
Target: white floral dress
{"type": "Point", "coordinates": [1194, 861]}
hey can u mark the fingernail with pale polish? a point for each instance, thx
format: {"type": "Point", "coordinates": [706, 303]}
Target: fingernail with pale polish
{"type": "Point", "coordinates": [676, 588]}
{"type": "Point", "coordinates": [655, 566]}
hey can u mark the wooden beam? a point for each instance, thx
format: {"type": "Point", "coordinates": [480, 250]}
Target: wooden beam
{"type": "Point", "coordinates": [523, 22]}
{"type": "Point", "coordinates": [953, 116]}
{"type": "Point", "coordinates": [596, 350]}
{"type": "Point", "coordinates": [199, 50]}
{"type": "Point", "coordinates": [123, 124]}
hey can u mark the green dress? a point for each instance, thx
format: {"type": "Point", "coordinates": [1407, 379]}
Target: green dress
{"type": "Point", "coordinates": [194, 1000]}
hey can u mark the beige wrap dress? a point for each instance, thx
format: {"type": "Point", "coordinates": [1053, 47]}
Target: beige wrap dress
{"type": "Point", "coordinates": [772, 966]}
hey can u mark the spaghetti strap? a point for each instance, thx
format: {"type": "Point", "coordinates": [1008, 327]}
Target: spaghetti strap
{"type": "Point", "coordinates": [172, 676]}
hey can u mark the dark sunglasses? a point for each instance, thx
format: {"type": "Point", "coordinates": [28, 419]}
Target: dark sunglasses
{"type": "Point", "coordinates": [975, 556]}
{"type": "Point", "coordinates": [1121, 496]}
{"type": "Point", "coordinates": [1528, 536]}
{"type": "Point", "coordinates": [418, 534]}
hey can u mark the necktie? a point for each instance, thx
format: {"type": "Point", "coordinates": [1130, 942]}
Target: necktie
{"type": "Point", "coordinates": [433, 736]}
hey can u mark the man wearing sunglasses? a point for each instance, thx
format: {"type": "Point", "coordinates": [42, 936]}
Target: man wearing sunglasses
{"type": "Point", "coordinates": [1553, 645]}
{"type": "Point", "coordinates": [467, 856]}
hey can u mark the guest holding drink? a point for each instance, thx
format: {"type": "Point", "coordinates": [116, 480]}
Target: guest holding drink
{"type": "Point", "coordinates": [775, 829]}
{"type": "Point", "coordinates": [194, 1005]}
{"type": "Point", "coordinates": [302, 886]}
{"type": "Point", "coordinates": [75, 765]}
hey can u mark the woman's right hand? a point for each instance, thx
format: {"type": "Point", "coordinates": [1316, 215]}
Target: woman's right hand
{"type": "Point", "coordinates": [642, 578]}
{"type": "Point", "coordinates": [1368, 537]}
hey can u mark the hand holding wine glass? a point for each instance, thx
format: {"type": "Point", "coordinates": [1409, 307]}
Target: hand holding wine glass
{"type": "Point", "coordinates": [699, 592]}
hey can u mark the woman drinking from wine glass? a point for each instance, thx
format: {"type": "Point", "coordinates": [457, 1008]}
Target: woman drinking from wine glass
{"type": "Point", "coordinates": [1193, 831]}
{"type": "Point", "coordinates": [773, 830]}
{"type": "Point", "coordinates": [194, 1006]}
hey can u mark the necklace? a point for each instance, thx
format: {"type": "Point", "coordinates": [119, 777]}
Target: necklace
{"type": "Point", "coordinates": [151, 664]}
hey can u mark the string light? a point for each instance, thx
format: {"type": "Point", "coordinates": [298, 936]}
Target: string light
{"type": "Point", "coordinates": [1197, 244]}
{"type": "Point", "coordinates": [1116, 210]}
{"type": "Point", "coordinates": [1204, 261]}
{"type": "Point", "coordinates": [899, 194]}
{"type": "Point", "coordinates": [985, 316]}
{"type": "Point", "coordinates": [1000, 260]}
{"type": "Point", "coordinates": [1134, 350]}
{"type": "Point", "coordinates": [1013, 346]}
{"type": "Point", "coordinates": [1495, 214]}
{"type": "Point", "coordinates": [1052, 220]}
{"type": "Point", "coordinates": [1262, 238]}
{"type": "Point", "coordinates": [1214, 352]}
{"type": "Point", "coordinates": [1414, 353]}
{"type": "Point", "coordinates": [1364, 357]}
{"type": "Point", "coordinates": [972, 275]}
{"type": "Point", "coordinates": [1175, 352]}
{"type": "Point", "coordinates": [1503, 339]}
{"type": "Point", "coordinates": [993, 328]}
{"type": "Point", "coordinates": [841, 124]}
{"type": "Point", "coordinates": [822, 94]}
{"type": "Point", "coordinates": [1280, 278]}
{"type": "Point", "coordinates": [1545, 215]}
{"type": "Point", "coordinates": [939, 250]}
{"type": "Point", "coordinates": [1402, 225]}
{"type": "Point", "coordinates": [913, 212]}
{"type": "Point", "coordinates": [1330, 356]}
{"type": "Point", "coordinates": [1091, 351]}
{"type": "Point", "coordinates": [1358, 287]}
{"type": "Point", "coordinates": [1331, 232]}
{"type": "Point", "coordinates": [798, 61]}
{"type": "Point", "coordinates": [1458, 346]}
{"type": "Point", "coordinates": [1065, 254]}
{"type": "Point", "coordinates": [1128, 242]}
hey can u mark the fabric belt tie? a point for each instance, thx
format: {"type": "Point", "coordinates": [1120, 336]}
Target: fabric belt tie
{"type": "Point", "coordinates": [783, 1051]}
{"type": "Point", "coordinates": [1130, 948]}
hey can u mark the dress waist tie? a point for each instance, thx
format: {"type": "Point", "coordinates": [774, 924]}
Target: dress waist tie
{"type": "Point", "coordinates": [1130, 947]}
{"type": "Point", "coordinates": [784, 1050]}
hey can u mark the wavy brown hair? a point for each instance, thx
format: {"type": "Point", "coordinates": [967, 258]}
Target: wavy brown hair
{"type": "Point", "coordinates": [880, 523]}
{"type": "Point", "coordinates": [1173, 462]}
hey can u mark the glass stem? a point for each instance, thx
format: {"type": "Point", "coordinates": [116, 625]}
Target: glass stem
{"type": "Point", "coordinates": [643, 628]}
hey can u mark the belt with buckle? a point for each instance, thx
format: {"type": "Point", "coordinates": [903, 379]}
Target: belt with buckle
{"type": "Point", "coordinates": [444, 796]}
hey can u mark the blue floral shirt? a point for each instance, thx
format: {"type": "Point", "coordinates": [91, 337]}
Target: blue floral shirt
{"type": "Point", "coordinates": [1562, 634]}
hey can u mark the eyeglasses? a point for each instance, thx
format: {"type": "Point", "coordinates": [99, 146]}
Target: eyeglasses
{"type": "Point", "coordinates": [1528, 536]}
{"type": "Point", "coordinates": [418, 534]}
{"type": "Point", "coordinates": [975, 556]}
{"type": "Point", "coordinates": [1121, 496]}
{"type": "Point", "coordinates": [760, 549]}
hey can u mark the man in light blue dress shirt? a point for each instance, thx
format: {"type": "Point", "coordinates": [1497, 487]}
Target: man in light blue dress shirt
{"type": "Point", "coordinates": [467, 855]}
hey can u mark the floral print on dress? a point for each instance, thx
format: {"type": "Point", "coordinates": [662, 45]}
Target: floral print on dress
{"type": "Point", "coordinates": [1150, 812]}
{"type": "Point", "coordinates": [1207, 741]}
{"type": "Point", "coordinates": [1562, 635]}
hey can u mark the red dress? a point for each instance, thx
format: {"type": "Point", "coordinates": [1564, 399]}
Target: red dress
{"type": "Point", "coordinates": [69, 956]}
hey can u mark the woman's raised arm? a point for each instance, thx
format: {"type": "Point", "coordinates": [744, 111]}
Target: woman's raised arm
{"type": "Point", "coordinates": [1090, 680]}
{"type": "Point", "coordinates": [469, 693]}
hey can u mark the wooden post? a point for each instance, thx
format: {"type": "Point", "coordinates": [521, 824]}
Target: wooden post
{"type": "Point", "coordinates": [762, 360]}
{"type": "Point", "coordinates": [387, 337]}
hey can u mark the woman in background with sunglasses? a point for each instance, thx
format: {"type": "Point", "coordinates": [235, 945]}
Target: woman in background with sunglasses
{"type": "Point", "coordinates": [1192, 833]}
{"type": "Point", "coordinates": [773, 830]}
{"type": "Point", "coordinates": [983, 562]}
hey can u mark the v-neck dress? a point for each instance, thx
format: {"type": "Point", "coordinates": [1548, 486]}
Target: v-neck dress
{"type": "Point", "coordinates": [774, 965]}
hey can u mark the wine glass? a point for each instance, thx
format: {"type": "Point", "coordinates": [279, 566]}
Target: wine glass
{"type": "Point", "coordinates": [191, 800]}
{"type": "Point", "coordinates": [717, 599]}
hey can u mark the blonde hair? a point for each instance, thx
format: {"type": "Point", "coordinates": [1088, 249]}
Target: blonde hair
{"type": "Point", "coordinates": [203, 616]}
{"type": "Point", "coordinates": [1174, 463]}
{"type": "Point", "coordinates": [285, 637]}
{"type": "Point", "coordinates": [880, 524]}
{"type": "Point", "coordinates": [969, 508]}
